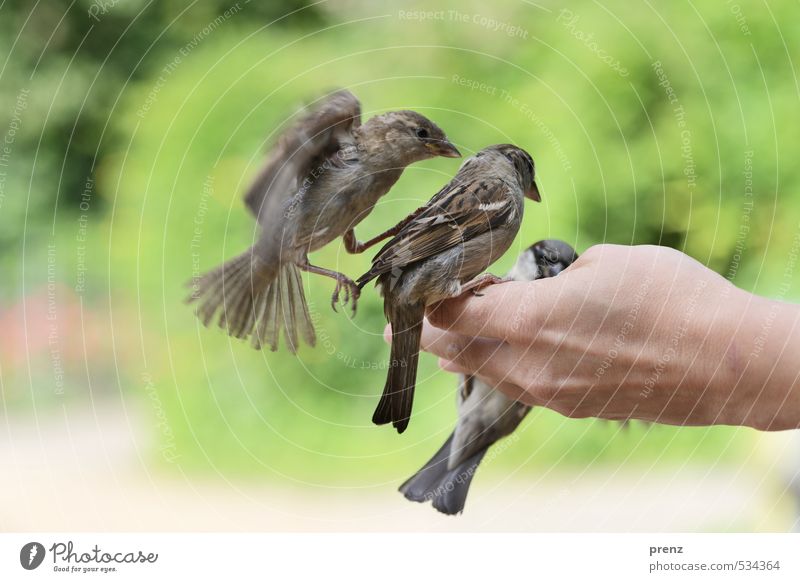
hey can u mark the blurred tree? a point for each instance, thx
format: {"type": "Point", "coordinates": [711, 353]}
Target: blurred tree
{"type": "Point", "coordinates": [65, 65]}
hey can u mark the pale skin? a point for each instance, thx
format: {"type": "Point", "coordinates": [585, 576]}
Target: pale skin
{"type": "Point", "coordinates": [630, 333]}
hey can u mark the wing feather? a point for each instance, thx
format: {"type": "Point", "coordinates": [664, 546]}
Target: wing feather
{"type": "Point", "coordinates": [320, 134]}
{"type": "Point", "coordinates": [458, 212]}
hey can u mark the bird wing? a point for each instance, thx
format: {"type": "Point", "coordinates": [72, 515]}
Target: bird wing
{"type": "Point", "coordinates": [315, 138]}
{"type": "Point", "coordinates": [460, 211]}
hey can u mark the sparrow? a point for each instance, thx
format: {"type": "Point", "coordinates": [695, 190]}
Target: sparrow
{"type": "Point", "coordinates": [485, 415]}
{"type": "Point", "coordinates": [322, 178]}
{"type": "Point", "coordinates": [437, 253]}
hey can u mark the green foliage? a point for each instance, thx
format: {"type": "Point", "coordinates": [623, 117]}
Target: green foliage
{"type": "Point", "coordinates": [74, 61]}
{"type": "Point", "coordinates": [608, 149]}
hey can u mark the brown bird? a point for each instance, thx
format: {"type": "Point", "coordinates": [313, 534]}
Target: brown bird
{"type": "Point", "coordinates": [462, 230]}
{"type": "Point", "coordinates": [323, 177]}
{"type": "Point", "coordinates": [485, 415]}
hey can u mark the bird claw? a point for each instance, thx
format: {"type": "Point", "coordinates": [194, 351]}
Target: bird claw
{"type": "Point", "coordinates": [351, 293]}
{"type": "Point", "coordinates": [481, 282]}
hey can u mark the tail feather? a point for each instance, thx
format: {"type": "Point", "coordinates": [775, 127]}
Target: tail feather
{"type": "Point", "coordinates": [244, 301]}
{"type": "Point", "coordinates": [398, 392]}
{"type": "Point", "coordinates": [300, 308]}
{"type": "Point", "coordinates": [285, 308]}
{"type": "Point", "coordinates": [249, 300]}
{"type": "Point", "coordinates": [287, 311]}
{"type": "Point", "coordinates": [455, 485]}
{"type": "Point", "coordinates": [216, 290]}
{"type": "Point", "coordinates": [446, 489]}
{"type": "Point", "coordinates": [421, 485]}
{"type": "Point", "coordinates": [248, 322]}
{"type": "Point", "coordinates": [260, 320]}
{"type": "Point", "coordinates": [265, 330]}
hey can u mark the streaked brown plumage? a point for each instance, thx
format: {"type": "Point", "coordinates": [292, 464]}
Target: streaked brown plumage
{"type": "Point", "coordinates": [485, 415]}
{"type": "Point", "coordinates": [462, 230]}
{"type": "Point", "coordinates": [323, 177]}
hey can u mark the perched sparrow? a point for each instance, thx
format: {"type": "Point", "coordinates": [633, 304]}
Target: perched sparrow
{"type": "Point", "coordinates": [462, 230]}
{"type": "Point", "coordinates": [323, 177]}
{"type": "Point", "coordinates": [485, 415]}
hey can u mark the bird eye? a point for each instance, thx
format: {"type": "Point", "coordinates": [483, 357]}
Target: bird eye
{"type": "Point", "coordinates": [422, 133]}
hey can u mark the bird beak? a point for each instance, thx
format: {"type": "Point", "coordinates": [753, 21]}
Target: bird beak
{"type": "Point", "coordinates": [444, 149]}
{"type": "Point", "coordinates": [533, 193]}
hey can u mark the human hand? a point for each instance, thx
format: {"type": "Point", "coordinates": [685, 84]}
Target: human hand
{"type": "Point", "coordinates": [629, 332]}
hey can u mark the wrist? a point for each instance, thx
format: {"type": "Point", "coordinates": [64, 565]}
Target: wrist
{"type": "Point", "coordinates": [762, 371]}
{"type": "Point", "coordinates": [719, 356]}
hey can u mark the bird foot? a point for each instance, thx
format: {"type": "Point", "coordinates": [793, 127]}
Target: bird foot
{"type": "Point", "coordinates": [478, 283]}
{"type": "Point", "coordinates": [351, 293]}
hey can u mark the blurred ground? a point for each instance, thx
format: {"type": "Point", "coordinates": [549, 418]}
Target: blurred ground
{"type": "Point", "coordinates": [83, 470]}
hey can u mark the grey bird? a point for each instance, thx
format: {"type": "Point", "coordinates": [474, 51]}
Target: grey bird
{"type": "Point", "coordinates": [322, 178]}
{"type": "Point", "coordinates": [485, 415]}
{"type": "Point", "coordinates": [437, 253]}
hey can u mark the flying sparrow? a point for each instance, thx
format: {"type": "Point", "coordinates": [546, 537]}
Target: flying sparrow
{"type": "Point", "coordinates": [439, 249]}
{"type": "Point", "coordinates": [485, 415]}
{"type": "Point", "coordinates": [322, 178]}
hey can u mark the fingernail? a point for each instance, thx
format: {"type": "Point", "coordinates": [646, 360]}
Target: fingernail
{"type": "Point", "coordinates": [387, 334]}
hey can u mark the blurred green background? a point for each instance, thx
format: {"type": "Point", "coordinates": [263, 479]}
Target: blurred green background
{"type": "Point", "coordinates": [136, 126]}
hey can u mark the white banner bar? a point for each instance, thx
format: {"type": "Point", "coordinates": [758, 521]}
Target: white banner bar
{"type": "Point", "coordinates": [401, 557]}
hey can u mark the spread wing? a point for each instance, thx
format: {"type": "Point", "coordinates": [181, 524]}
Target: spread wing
{"type": "Point", "coordinates": [460, 211]}
{"type": "Point", "coordinates": [312, 140]}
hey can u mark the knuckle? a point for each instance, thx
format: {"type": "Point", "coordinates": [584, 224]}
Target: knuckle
{"type": "Point", "coordinates": [594, 252]}
{"type": "Point", "coordinates": [590, 253]}
{"type": "Point", "coordinates": [547, 392]}
{"type": "Point", "coordinates": [543, 390]}
{"type": "Point", "coordinates": [607, 252]}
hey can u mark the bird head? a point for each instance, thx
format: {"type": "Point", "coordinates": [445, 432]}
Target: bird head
{"type": "Point", "coordinates": [419, 137]}
{"type": "Point", "coordinates": [523, 164]}
{"type": "Point", "coordinates": [546, 258]}
{"type": "Point", "coordinates": [552, 256]}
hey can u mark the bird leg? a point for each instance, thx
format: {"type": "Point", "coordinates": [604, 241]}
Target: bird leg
{"type": "Point", "coordinates": [353, 246]}
{"type": "Point", "coordinates": [481, 281]}
{"type": "Point", "coordinates": [343, 283]}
